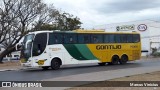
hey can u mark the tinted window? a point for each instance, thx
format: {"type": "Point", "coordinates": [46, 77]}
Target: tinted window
{"type": "Point", "coordinates": [39, 43]}
{"type": "Point", "coordinates": [106, 38]}
{"type": "Point", "coordinates": [83, 38]}
{"type": "Point", "coordinates": [70, 38]}
{"type": "Point", "coordinates": [117, 38]}
{"type": "Point", "coordinates": [129, 38]}
{"type": "Point", "coordinates": [55, 38]}
{"type": "Point", "coordinates": [123, 38]}
{"type": "Point", "coordinates": [96, 38]}
{"type": "Point", "coordinates": [136, 38]}
{"type": "Point", "coordinates": [109, 38]}
{"type": "Point", "coordinates": [16, 55]}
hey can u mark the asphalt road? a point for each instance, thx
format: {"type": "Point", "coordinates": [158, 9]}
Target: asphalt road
{"type": "Point", "coordinates": [39, 74]}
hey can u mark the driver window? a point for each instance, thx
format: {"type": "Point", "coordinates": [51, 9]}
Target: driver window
{"type": "Point", "coordinates": [39, 44]}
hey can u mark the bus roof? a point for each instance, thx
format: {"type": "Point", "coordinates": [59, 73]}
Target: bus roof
{"type": "Point", "coordinates": [44, 31]}
{"type": "Point", "coordinates": [82, 31]}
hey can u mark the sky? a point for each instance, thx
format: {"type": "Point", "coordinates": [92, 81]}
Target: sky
{"type": "Point", "coordinates": [94, 13]}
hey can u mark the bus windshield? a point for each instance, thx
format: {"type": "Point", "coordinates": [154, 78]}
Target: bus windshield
{"type": "Point", "coordinates": [26, 46]}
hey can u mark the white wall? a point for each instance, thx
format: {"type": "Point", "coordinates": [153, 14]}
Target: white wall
{"type": "Point", "coordinates": [153, 29]}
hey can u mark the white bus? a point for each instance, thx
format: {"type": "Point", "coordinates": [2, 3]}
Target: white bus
{"type": "Point", "coordinates": [55, 48]}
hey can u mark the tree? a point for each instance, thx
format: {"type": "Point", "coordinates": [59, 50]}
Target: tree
{"type": "Point", "coordinates": [15, 19]}
{"type": "Point", "coordinates": [59, 21]}
{"type": "Point", "coordinates": [73, 23]}
{"type": "Point", "coordinates": [48, 15]}
{"type": "Point", "coordinates": [18, 17]}
{"type": "Point", "coordinates": [66, 21]}
{"type": "Point", "coordinates": [47, 26]}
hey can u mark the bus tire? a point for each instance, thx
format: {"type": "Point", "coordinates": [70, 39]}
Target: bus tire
{"type": "Point", "coordinates": [123, 59]}
{"type": "Point", "coordinates": [115, 60]}
{"type": "Point", "coordinates": [102, 64]}
{"type": "Point", "coordinates": [45, 67]}
{"type": "Point", "coordinates": [55, 64]}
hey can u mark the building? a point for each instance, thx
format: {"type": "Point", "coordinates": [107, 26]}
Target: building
{"type": "Point", "coordinates": [149, 30]}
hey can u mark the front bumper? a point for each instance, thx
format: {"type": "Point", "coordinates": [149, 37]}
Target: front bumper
{"type": "Point", "coordinates": [26, 64]}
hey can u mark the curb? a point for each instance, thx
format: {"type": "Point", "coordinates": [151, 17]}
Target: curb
{"type": "Point", "coordinates": [9, 70]}
{"type": "Point", "coordinates": [2, 70]}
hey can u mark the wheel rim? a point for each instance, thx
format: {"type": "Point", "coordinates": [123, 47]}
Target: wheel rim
{"type": "Point", "coordinates": [56, 64]}
{"type": "Point", "coordinates": [124, 60]}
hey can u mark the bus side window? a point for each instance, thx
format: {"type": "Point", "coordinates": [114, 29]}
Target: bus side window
{"type": "Point", "coordinates": [111, 38]}
{"type": "Point", "coordinates": [129, 38]}
{"type": "Point", "coordinates": [86, 39]}
{"type": "Point", "coordinates": [136, 38]}
{"type": "Point", "coordinates": [96, 38]}
{"type": "Point", "coordinates": [117, 38]}
{"type": "Point", "coordinates": [106, 38]}
{"type": "Point", "coordinates": [58, 38]}
{"type": "Point", "coordinates": [70, 38]}
{"type": "Point", "coordinates": [123, 38]}
{"type": "Point", "coordinates": [51, 39]}
{"type": "Point", "coordinates": [55, 38]}
{"type": "Point", "coordinates": [83, 38]}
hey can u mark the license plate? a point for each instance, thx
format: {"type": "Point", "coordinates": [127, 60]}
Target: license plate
{"type": "Point", "coordinates": [40, 62]}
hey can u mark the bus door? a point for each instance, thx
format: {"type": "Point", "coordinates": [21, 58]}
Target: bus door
{"type": "Point", "coordinates": [39, 45]}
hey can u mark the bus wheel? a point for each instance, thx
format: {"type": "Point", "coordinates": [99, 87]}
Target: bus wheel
{"type": "Point", "coordinates": [55, 64]}
{"type": "Point", "coordinates": [102, 64]}
{"type": "Point", "coordinates": [45, 68]}
{"type": "Point", "coordinates": [123, 59]}
{"type": "Point", "coordinates": [115, 60]}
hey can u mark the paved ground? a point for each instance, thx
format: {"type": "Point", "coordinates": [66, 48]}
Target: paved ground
{"type": "Point", "coordinates": [86, 69]}
{"type": "Point", "coordinates": [154, 76]}
{"type": "Point", "coordinates": [91, 72]}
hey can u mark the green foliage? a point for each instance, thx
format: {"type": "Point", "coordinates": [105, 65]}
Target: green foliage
{"type": "Point", "coordinates": [44, 27]}
{"type": "Point", "coordinates": [47, 27]}
{"type": "Point", "coordinates": [62, 21]}
{"type": "Point", "coordinates": [154, 50]}
{"type": "Point", "coordinates": [156, 54]}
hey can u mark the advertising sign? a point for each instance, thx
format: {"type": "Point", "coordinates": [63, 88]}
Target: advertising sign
{"type": "Point", "coordinates": [125, 27]}
{"type": "Point", "coordinates": [142, 27]}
